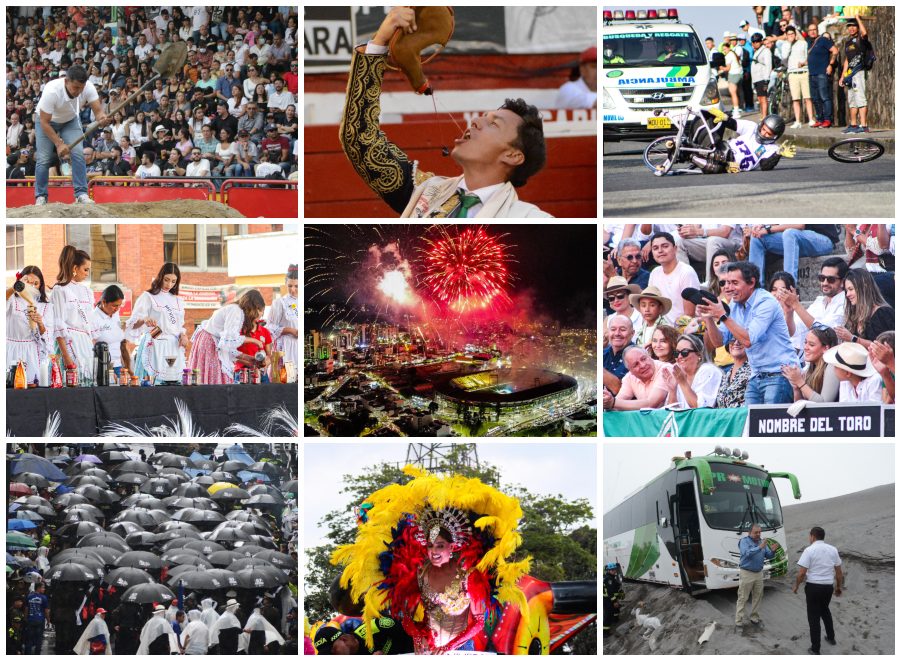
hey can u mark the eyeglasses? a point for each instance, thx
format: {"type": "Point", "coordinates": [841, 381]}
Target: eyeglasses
{"type": "Point", "coordinates": [684, 353]}
{"type": "Point", "coordinates": [722, 283]}
{"type": "Point", "coordinates": [828, 278]}
{"type": "Point", "coordinates": [631, 258]}
{"type": "Point", "coordinates": [617, 297]}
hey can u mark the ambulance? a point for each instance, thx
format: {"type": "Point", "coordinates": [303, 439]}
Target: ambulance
{"type": "Point", "coordinates": [651, 61]}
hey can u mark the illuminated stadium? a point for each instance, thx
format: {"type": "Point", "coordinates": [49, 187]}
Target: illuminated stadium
{"type": "Point", "coordinates": [504, 391]}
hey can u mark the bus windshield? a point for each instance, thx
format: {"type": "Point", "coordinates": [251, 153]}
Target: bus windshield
{"type": "Point", "coordinates": [743, 495]}
{"type": "Point", "coordinates": [653, 50]}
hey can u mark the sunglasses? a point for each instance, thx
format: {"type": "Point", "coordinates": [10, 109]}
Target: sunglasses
{"type": "Point", "coordinates": [828, 278]}
{"type": "Point", "coordinates": [684, 353]}
{"type": "Point", "coordinates": [819, 325]}
{"type": "Point", "coordinates": [617, 297]}
{"type": "Point", "coordinates": [722, 283]}
{"type": "Point", "coordinates": [631, 258]}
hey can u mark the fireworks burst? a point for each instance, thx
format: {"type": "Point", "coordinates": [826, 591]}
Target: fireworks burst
{"type": "Point", "coordinates": [466, 271]}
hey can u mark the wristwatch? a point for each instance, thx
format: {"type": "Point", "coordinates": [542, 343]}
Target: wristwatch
{"type": "Point", "coordinates": [854, 338]}
{"type": "Point", "coordinates": [768, 228]}
{"type": "Point", "coordinates": [722, 319]}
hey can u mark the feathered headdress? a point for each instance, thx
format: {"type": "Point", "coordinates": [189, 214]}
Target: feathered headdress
{"type": "Point", "coordinates": [380, 566]}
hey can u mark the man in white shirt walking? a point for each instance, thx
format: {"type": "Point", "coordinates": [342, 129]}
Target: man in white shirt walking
{"type": "Point", "coordinates": [59, 108]}
{"type": "Point", "coordinates": [821, 566]}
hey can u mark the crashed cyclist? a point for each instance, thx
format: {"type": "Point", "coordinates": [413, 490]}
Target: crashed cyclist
{"type": "Point", "coordinates": [753, 148]}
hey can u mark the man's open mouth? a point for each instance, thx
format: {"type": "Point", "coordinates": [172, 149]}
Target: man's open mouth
{"type": "Point", "coordinates": [467, 134]}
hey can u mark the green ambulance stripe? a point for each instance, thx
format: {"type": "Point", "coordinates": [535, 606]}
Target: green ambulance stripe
{"type": "Point", "coordinates": [645, 551]}
{"type": "Point", "coordinates": [678, 72]}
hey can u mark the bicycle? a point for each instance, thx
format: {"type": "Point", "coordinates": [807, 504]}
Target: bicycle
{"type": "Point", "coordinates": [779, 91]}
{"type": "Point", "coordinates": [856, 150]}
{"type": "Point", "coordinates": [669, 151]}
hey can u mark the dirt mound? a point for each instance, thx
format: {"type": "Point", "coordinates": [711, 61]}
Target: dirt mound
{"type": "Point", "coordinates": [162, 209]}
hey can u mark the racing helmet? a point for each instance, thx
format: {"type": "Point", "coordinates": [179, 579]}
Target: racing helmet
{"type": "Point", "coordinates": [775, 124]}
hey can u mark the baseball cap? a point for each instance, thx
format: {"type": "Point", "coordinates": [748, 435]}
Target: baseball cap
{"type": "Point", "coordinates": [589, 55]}
{"type": "Point", "coordinates": [271, 127]}
{"type": "Point", "coordinates": [756, 37]}
{"type": "Point", "coordinates": [743, 23]}
{"type": "Point", "coordinates": [243, 133]}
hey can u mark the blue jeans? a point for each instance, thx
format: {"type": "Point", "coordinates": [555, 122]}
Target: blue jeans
{"type": "Point", "coordinates": [769, 390]}
{"type": "Point", "coordinates": [793, 244]}
{"type": "Point", "coordinates": [34, 637]}
{"type": "Point", "coordinates": [822, 97]}
{"type": "Point", "coordinates": [69, 132]}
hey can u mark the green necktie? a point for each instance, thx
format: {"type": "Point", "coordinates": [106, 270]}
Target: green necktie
{"type": "Point", "coordinates": [467, 201]}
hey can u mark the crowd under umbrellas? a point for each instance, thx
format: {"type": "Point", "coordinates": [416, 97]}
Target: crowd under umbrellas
{"type": "Point", "coordinates": [128, 547]}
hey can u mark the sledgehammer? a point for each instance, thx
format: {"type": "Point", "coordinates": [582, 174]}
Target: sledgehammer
{"type": "Point", "coordinates": [171, 61]}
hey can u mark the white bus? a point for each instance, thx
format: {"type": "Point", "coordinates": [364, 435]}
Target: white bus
{"type": "Point", "coordinates": [682, 529]}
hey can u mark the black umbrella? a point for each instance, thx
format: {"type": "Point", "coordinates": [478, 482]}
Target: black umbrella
{"type": "Point", "coordinates": [158, 486]}
{"type": "Point", "coordinates": [259, 489]}
{"type": "Point", "coordinates": [79, 529]}
{"type": "Point", "coordinates": [74, 516]}
{"type": "Point", "coordinates": [263, 500]}
{"type": "Point", "coordinates": [204, 546]}
{"type": "Point", "coordinates": [263, 541]}
{"type": "Point", "coordinates": [230, 494]}
{"type": "Point", "coordinates": [84, 508]}
{"type": "Point", "coordinates": [108, 539]}
{"type": "Point", "coordinates": [77, 555]}
{"type": "Point", "coordinates": [185, 558]}
{"type": "Point", "coordinates": [109, 447]}
{"type": "Point", "coordinates": [126, 577]}
{"type": "Point", "coordinates": [170, 460]}
{"type": "Point", "coordinates": [142, 540]}
{"type": "Point", "coordinates": [192, 490]}
{"type": "Point", "coordinates": [244, 515]}
{"type": "Point", "coordinates": [125, 528]}
{"type": "Point", "coordinates": [280, 560]}
{"type": "Point", "coordinates": [32, 463]}
{"type": "Point", "coordinates": [229, 535]}
{"type": "Point", "coordinates": [175, 525]}
{"type": "Point", "coordinates": [71, 572]}
{"type": "Point", "coordinates": [248, 550]}
{"type": "Point", "coordinates": [221, 476]}
{"type": "Point", "coordinates": [204, 480]}
{"type": "Point", "coordinates": [66, 499]}
{"type": "Point", "coordinates": [265, 467]}
{"type": "Point", "coordinates": [130, 478]}
{"type": "Point", "coordinates": [176, 474]}
{"type": "Point", "coordinates": [140, 559]}
{"type": "Point", "coordinates": [223, 558]}
{"type": "Point", "coordinates": [182, 502]}
{"type": "Point", "coordinates": [33, 479]}
{"type": "Point", "coordinates": [194, 515]}
{"type": "Point", "coordinates": [95, 472]}
{"type": "Point", "coordinates": [132, 466]}
{"type": "Point", "coordinates": [290, 487]}
{"type": "Point", "coordinates": [138, 516]}
{"type": "Point", "coordinates": [254, 527]}
{"type": "Point", "coordinates": [204, 464]}
{"type": "Point", "coordinates": [159, 516]}
{"type": "Point", "coordinates": [179, 543]}
{"type": "Point", "coordinates": [82, 480]}
{"type": "Point", "coordinates": [249, 563]}
{"type": "Point", "coordinates": [80, 467]}
{"type": "Point", "coordinates": [144, 501]}
{"type": "Point", "coordinates": [260, 578]}
{"type": "Point", "coordinates": [114, 457]}
{"type": "Point", "coordinates": [147, 593]}
{"type": "Point", "coordinates": [178, 532]}
{"type": "Point", "coordinates": [231, 466]}
{"type": "Point", "coordinates": [200, 580]}
{"type": "Point", "coordinates": [98, 495]}
{"type": "Point", "coordinates": [107, 555]}
{"type": "Point", "coordinates": [226, 577]}
{"type": "Point", "coordinates": [178, 570]}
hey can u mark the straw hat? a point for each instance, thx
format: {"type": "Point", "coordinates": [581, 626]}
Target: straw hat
{"type": "Point", "coordinates": [850, 357]}
{"type": "Point", "coordinates": [654, 294]}
{"type": "Point", "coordinates": [617, 283]}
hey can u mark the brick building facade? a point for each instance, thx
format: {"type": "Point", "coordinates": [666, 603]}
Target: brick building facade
{"type": "Point", "coordinates": [130, 255]}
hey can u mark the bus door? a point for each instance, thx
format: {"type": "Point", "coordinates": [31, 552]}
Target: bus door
{"type": "Point", "coordinates": [688, 533]}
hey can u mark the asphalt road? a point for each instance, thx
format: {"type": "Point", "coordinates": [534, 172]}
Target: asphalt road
{"type": "Point", "coordinates": [811, 185]}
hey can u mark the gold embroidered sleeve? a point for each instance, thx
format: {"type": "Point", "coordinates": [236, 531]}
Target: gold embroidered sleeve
{"type": "Point", "coordinates": [381, 164]}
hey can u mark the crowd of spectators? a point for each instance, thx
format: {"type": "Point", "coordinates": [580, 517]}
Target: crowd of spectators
{"type": "Point", "coordinates": [230, 112]}
{"type": "Point", "coordinates": [778, 44]}
{"type": "Point", "coordinates": [738, 338]}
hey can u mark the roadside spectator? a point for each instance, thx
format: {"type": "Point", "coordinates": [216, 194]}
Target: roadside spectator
{"type": "Point", "coordinates": [747, 89]}
{"type": "Point", "coordinates": [226, 156]}
{"type": "Point", "coordinates": [859, 380]}
{"type": "Point", "coordinates": [14, 132]}
{"type": "Point", "coordinates": [821, 59]}
{"type": "Point", "coordinates": [148, 166]}
{"type": "Point", "coordinates": [672, 276]}
{"type": "Point", "coordinates": [761, 68]}
{"type": "Point", "coordinates": [866, 312]}
{"type": "Point", "coordinates": [276, 148]}
{"type": "Point", "coordinates": [798, 77]}
{"type": "Point", "coordinates": [247, 153]}
{"type": "Point", "coordinates": [818, 381]}
{"type": "Point", "coordinates": [649, 384]}
{"type": "Point", "coordinates": [251, 122]}
{"type": "Point", "coordinates": [793, 241]}
{"type": "Point", "coordinates": [199, 166]}
{"type": "Point", "coordinates": [224, 120]}
{"type": "Point", "coordinates": [117, 166]}
{"type": "Point", "coordinates": [854, 77]}
{"type": "Point", "coordinates": [207, 143]}
{"type": "Point", "coordinates": [733, 75]}
{"type": "Point", "coordinates": [281, 98]}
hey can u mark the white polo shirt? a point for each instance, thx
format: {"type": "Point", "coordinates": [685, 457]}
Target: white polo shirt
{"type": "Point", "coordinates": [820, 560]}
{"type": "Point", "coordinates": [56, 101]}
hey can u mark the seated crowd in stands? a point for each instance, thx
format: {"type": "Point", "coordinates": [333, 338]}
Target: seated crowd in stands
{"type": "Point", "coordinates": [230, 112]}
{"type": "Point", "coordinates": [737, 340]}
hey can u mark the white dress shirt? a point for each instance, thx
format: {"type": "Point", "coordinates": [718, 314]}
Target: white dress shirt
{"type": "Point", "coordinates": [820, 560]}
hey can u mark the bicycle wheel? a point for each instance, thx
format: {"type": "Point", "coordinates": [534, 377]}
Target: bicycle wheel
{"type": "Point", "coordinates": [856, 150]}
{"type": "Point", "coordinates": [658, 156]}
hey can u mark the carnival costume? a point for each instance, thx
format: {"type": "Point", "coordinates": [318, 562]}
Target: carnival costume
{"type": "Point", "coordinates": [388, 171]}
{"type": "Point", "coordinates": [387, 566]}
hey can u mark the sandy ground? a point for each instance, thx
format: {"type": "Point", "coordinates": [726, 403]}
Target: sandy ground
{"type": "Point", "coordinates": [164, 209]}
{"type": "Point", "coordinates": [860, 525]}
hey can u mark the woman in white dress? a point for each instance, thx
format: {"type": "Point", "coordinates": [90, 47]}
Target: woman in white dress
{"type": "Point", "coordinates": [72, 304]}
{"type": "Point", "coordinates": [30, 345]}
{"type": "Point", "coordinates": [282, 322]}
{"type": "Point", "coordinates": [106, 326]}
{"type": "Point", "coordinates": [157, 326]}
{"type": "Point", "coordinates": [214, 347]}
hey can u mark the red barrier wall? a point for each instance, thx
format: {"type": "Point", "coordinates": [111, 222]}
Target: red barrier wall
{"type": "Point", "coordinates": [108, 194]}
{"type": "Point", "coordinates": [275, 202]}
{"type": "Point", "coordinates": [22, 196]}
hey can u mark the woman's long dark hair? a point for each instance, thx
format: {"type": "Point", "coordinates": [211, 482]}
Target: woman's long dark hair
{"type": "Point", "coordinates": [34, 270]}
{"type": "Point", "coordinates": [249, 302]}
{"type": "Point", "coordinates": [166, 269]}
{"type": "Point", "coordinates": [69, 258]}
{"type": "Point", "coordinates": [110, 294]}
